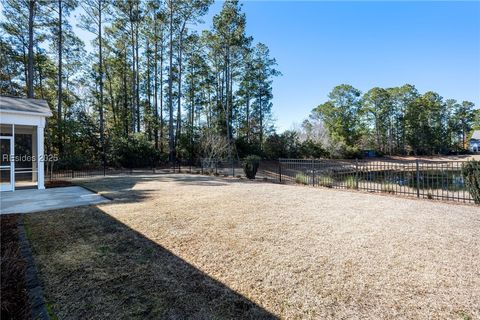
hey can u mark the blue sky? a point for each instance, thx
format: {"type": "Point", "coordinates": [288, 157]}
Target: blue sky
{"type": "Point", "coordinates": [433, 45]}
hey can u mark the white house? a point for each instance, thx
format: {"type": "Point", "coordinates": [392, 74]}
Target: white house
{"type": "Point", "coordinates": [475, 141]}
{"type": "Point", "coordinates": [22, 124]}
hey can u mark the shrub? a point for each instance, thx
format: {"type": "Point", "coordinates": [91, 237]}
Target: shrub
{"type": "Point", "coordinates": [75, 160]}
{"type": "Point", "coordinates": [300, 178]}
{"type": "Point", "coordinates": [325, 181]}
{"type": "Point", "coordinates": [250, 166]}
{"type": "Point", "coordinates": [135, 151]}
{"type": "Point", "coordinates": [351, 182]}
{"type": "Point", "coordinates": [312, 149]}
{"type": "Point", "coordinates": [245, 148]}
{"type": "Point", "coordinates": [471, 175]}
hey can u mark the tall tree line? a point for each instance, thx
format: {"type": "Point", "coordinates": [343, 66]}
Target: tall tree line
{"type": "Point", "coordinates": [396, 121]}
{"type": "Point", "coordinates": [150, 80]}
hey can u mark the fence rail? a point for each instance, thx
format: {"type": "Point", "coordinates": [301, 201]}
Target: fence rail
{"type": "Point", "coordinates": [423, 179]}
{"type": "Point", "coordinates": [67, 174]}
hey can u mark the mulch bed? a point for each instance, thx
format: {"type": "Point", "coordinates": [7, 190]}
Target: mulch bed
{"type": "Point", "coordinates": [14, 303]}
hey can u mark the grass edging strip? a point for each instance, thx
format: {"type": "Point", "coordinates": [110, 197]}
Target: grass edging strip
{"type": "Point", "coordinates": [33, 286]}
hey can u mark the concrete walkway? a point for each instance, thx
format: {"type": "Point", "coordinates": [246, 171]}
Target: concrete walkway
{"type": "Point", "coordinates": [33, 200]}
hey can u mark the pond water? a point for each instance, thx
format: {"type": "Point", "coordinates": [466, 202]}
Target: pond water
{"type": "Point", "coordinates": [427, 179]}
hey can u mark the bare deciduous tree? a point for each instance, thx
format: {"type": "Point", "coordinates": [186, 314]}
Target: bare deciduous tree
{"type": "Point", "coordinates": [213, 147]}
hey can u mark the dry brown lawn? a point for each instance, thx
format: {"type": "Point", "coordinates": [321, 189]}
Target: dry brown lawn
{"type": "Point", "coordinates": [187, 246]}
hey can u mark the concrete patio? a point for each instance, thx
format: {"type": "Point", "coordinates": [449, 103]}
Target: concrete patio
{"type": "Point", "coordinates": [33, 200]}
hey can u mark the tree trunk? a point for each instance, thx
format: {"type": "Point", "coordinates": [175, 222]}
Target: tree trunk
{"type": "Point", "coordinates": [31, 10]}
{"type": "Point", "coordinates": [248, 116]}
{"type": "Point", "coordinates": [136, 61]}
{"type": "Point", "coordinates": [179, 101]}
{"type": "Point", "coordinates": [161, 96]}
{"type": "Point", "coordinates": [155, 83]}
{"type": "Point", "coordinates": [134, 78]}
{"type": "Point", "coordinates": [60, 95]}
{"type": "Point", "coordinates": [209, 109]}
{"type": "Point", "coordinates": [261, 122]}
{"type": "Point", "coordinates": [227, 106]}
{"type": "Point", "coordinates": [100, 73]}
{"type": "Point", "coordinates": [192, 113]}
{"type": "Point", "coordinates": [112, 99]}
{"type": "Point", "coordinates": [171, 142]}
{"type": "Point", "coordinates": [25, 65]}
{"type": "Point", "coordinates": [40, 80]}
{"type": "Point", "coordinates": [227, 100]}
{"type": "Point", "coordinates": [146, 118]}
{"type": "Point", "coordinates": [230, 97]}
{"type": "Point", "coordinates": [377, 133]}
{"type": "Point", "coordinates": [125, 96]}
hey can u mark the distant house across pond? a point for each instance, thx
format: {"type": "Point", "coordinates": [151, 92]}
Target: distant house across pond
{"type": "Point", "coordinates": [475, 141]}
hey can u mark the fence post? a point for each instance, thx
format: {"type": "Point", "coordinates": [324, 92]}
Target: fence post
{"type": "Point", "coordinates": [73, 174]}
{"type": "Point", "coordinates": [280, 170]}
{"type": "Point", "coordinates": [216, 167]}
{"type": "Point", "coordinates": [356, 173]}
{"type": "Point", "coordinates": [418, 179]}
{"type": "Point", "coordinates": [313, 173]}
{"type": "Point", "coordinates": [233, 169]}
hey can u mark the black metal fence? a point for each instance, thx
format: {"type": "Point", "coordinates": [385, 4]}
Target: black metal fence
{"type": "Point", "coordinates": [219, 167]}
{"type": "Point", "coordinates": [67, 174]}
{"type": "Point", "coordinates": [441, 180]}
{"type": "Point", "coordinates": [223, 167]}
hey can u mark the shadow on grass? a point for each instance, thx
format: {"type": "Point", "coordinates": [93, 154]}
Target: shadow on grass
{"type": "Point", "coordinates": [95, 267]}
{"type": "Point", "coordinates": [121, 188]}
